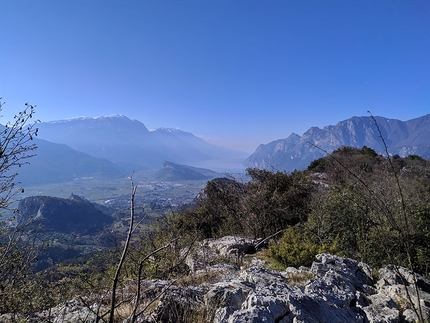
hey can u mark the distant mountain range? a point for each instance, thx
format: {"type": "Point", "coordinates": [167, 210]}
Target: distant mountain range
{"type": "Point", "coordinates": [115, 145]}
{"type": "Point", "coordinates": [403, 138]}
{"type": "Point", "coordinates": [130, 144]}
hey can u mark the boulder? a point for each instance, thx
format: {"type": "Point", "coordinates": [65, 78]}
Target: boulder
{"type": "Point", "coordinates": [339, 290]}
{"type": "Point", "coordinates": [232, 245]}
{"type": "Point", "coordinates": [229, 249]}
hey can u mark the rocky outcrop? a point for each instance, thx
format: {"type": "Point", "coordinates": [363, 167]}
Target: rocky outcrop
{"type": "Point", "coordinates": [333, 289]}
{"type": "Point", "coordinates": [340, 290]}
{"type": "Point", "coordinates": [72, 311]}
{"type": "Point", "coordinates": [228, 249]}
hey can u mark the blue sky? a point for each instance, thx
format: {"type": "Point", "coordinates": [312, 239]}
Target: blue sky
{"type": "Point", "coordinates": [238, 73]}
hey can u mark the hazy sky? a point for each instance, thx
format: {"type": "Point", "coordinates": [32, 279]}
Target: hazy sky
{"type": "Point", "coordinates": [236, 72]}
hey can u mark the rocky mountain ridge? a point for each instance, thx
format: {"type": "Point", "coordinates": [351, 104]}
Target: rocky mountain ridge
{"type": "Point", "coordinates": [333, 289]}
{"type": "Point", "coordinates": [403, 138]}
{"type": "Point", "coordinates": [114, 146]}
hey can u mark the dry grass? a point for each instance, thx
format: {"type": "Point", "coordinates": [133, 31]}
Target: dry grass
{"type": "Point", "coordinates": [205, 314]}
{"type": "Point", "coordinates": [198, 279]}
{"type": "Point", "coordinates": [123, 311]}
{"type": "Point", "coordinates": [299, 278]}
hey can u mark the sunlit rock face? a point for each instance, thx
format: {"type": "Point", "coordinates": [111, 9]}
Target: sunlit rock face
{"type": "Point", "coordinates": [334, 289]}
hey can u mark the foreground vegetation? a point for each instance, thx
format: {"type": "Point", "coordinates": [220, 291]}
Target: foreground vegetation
{"type": "Point", "coordinates": [353, 203]}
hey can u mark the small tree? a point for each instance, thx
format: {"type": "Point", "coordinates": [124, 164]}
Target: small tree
{"type": "Point", "coordinates": [16, 147]}
{"type": "Point", "coordinates": [275, 201]}
{"type": "Point", "coordinates": [15, 259]}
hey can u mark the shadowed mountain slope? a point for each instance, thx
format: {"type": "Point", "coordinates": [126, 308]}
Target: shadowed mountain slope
{"type": "Point", "coordinates": [56, 163]}
{"type": "Point", "coordinates": [64, 215]}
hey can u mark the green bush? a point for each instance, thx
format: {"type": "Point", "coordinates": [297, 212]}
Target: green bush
{"type": "Point", "coordinates": [296, 248]}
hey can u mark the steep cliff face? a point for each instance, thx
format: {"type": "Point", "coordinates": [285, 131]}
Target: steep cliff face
{"type": "Point", "coordinates": [64, 215]}
{"type": "Point", "coordinates": [295, 152]}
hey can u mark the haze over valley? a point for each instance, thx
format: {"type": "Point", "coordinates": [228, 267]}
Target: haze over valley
{"type": "Point", "coordinates": [115, 146]}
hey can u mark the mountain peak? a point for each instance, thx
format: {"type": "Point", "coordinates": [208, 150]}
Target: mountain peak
{"type": "Point", "coordinates": [82, 118]}
{"type": "Point", "coordinates": [113, 116]}
{"type": "Point", "coordinates": [173, 130]}
{"type": "Point", "coordinates": [402, 138]}
{"type": "Point", "coordinates": [130, 145]}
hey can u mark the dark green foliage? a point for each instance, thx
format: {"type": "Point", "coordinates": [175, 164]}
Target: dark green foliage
{"type": "Point", "coordinates": [346, 162]}
{"type": "Point", "coordinates": [415, 157]}
{"type": "Point", "coordinates": [275, 201]}
{"type": "Point", "coordinates": [319, 165]}
{"type": "Point", "coordinates": [297, 248]}
{"type": "Point", "coordinates": [220, 201]}
{"type": "Point", "coordinates": [376, 206]}
{"type": "Point", "coordinates": [420, 238]}
{"type": "Point", "coordinates": [368, 151]}
{"type": "Point", "coordinates": [268, 203]}
{"type": "Point", "coordinates": [353, 200]}
{"type": "Point", "coordinates": [339, 212]}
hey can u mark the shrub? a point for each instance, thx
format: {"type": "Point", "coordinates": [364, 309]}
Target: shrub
{"type": "Point", "coordinates": [296, 248]}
